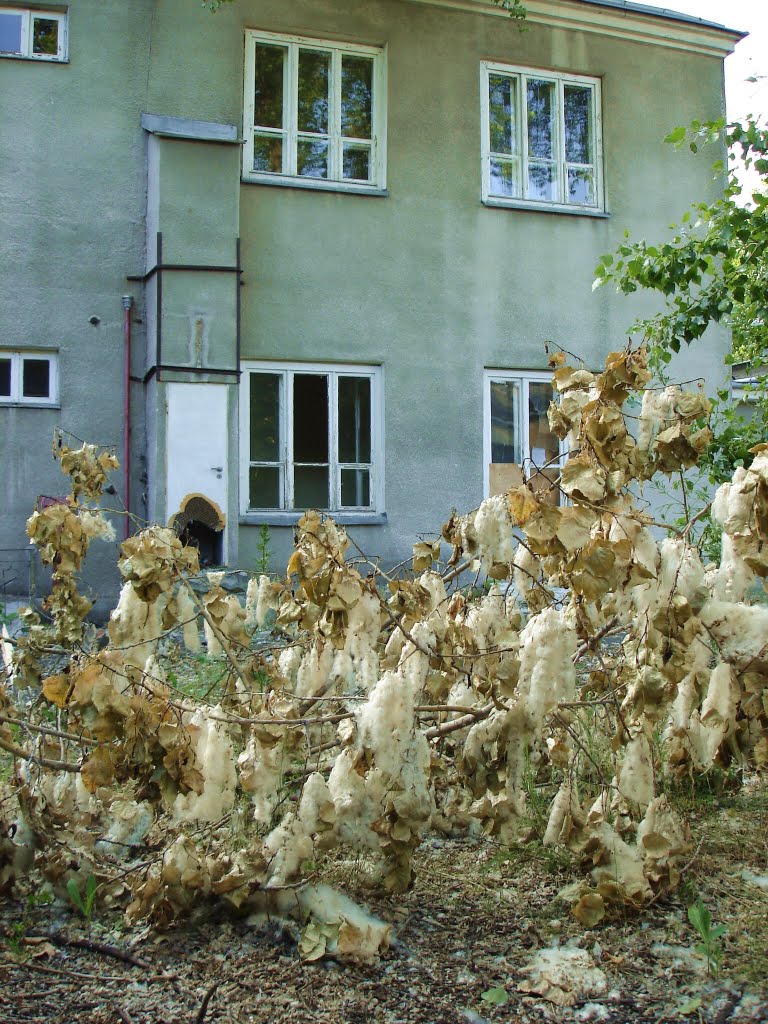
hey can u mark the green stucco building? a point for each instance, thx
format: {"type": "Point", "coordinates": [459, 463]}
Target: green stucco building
{"type": "Point", "coordinates": [332, 238]}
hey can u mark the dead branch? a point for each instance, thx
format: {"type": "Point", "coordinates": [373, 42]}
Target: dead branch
{"type": "Point", "coordinates": [92, 946]}
{"type": "Point", "coordinates": [436, 709]}
{"type": "Point", "coordinates": [223, 641]}
{"type": "Point", "coordinates": [204, 1005]}
{"type": "Point", "coordinates": [610, 627]}
{"type": "Point", "coordinates": [458, 723]}
{"type": "Point", "coordinates": [84, 741]}
{"type": "Point", "coordinates": [45, 762]}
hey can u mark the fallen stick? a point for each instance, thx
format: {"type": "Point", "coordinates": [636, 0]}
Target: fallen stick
{"type": "Point", "coordinates": [93, 947]}
{"type": "Point", "coordinates": [204, 1005]}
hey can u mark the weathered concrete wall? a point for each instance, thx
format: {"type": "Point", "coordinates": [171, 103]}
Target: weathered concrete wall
{"type": "Point", "coordinates": [72, 188]}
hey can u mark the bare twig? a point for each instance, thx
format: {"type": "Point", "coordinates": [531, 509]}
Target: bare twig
{"type": "Point", "coordinates": [458, 723]}
{"type": "Point", "coordinates": [204, 1005]}
{"type": "Point", "coordinates": [78, 975]}
{"type": "Point", "coordinates": [224, 643]}
{"type": "Point", "coordinates": [610, 627]}
{"type": "Point", "coordinates": [435, 709]}
{"type": "Point", "coordinates": [455, 572]}
{"type": "Point", "coordinates": [699, 515]}
{"type": "Point", "coordinates": [45, 762]}
{"type": "Point", "coordinates": [93, 947]}
{"type": "Point", "coordinates": [45, 731]}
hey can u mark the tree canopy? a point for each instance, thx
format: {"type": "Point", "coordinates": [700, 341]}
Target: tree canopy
{"type": "Point", "coordinates": [714, 270]}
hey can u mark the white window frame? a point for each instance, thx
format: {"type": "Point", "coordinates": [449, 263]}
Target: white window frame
{"type": "Point", "coordinates": [523, 378]}
{"type": "Point", "coordinates": [333, 371]}
{"type": "Point", "coordinates": [17, 357]}
{"type": "Point", "coordinates": [28, 15]}
{"type": "Point", "coordinates": [289, 131]}
{"type": "Point", "coordinates": [561, 79]}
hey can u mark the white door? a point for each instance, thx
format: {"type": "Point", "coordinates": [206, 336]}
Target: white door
{"type": "Point", "coordinates": [196, 444]}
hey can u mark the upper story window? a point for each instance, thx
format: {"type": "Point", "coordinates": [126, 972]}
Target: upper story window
{"type": "Point", "coordinates": [314, 113]}
{"type": "Point", "coordinates": [39, 35]}
{"type": "Point", "coordinates": [541, 139]}
{"type": "Point", "coordinates": [311, 437]}
{"type": "Point", "coordinates": [28, 378]}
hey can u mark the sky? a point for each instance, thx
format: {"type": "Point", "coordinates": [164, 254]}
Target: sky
{"type": "Point", "coordinates": [750, 58]}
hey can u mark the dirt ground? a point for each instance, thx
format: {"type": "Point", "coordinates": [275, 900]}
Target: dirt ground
{"type": "Point", "coordinates": [476, 916]}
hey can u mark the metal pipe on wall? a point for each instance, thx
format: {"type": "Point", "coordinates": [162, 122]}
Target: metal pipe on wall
{"type": "Point", "coordinates": [127, 305]}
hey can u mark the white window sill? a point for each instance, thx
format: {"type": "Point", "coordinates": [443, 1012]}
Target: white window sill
{"type": "Point", "coordinates": [34, 60]}
{"type": "Point", "coordinates": [523, 204]}
{"type": "Point", "coordinates": [350, 518]}
{"type": "Point", "coordinates": [315, 184]}
{"type": "Point", "coordinates": [6, 403]}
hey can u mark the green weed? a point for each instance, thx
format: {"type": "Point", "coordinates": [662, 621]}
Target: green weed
{"type": "Point", "coordinates": [710, 946]}
{"type": "Point", "coordinates": [84, 900]}
{"type": "Point", "coordinates": [19, 929]}
{"type": "Point", "coordinates": [263, 551]}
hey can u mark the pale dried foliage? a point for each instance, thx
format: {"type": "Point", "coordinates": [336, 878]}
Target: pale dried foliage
{"type": "Point", "coordinates": [376, 707]}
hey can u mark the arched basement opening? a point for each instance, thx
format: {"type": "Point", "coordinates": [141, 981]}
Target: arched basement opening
{"type": "Point", "coordinates": [200, 522]}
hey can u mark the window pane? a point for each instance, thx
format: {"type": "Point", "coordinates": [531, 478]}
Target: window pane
{"type": "Point", "coordinates": [505, 433]}
{"type": "Point", "coordinates": [356, 96]}
{"type": "Point", "coordinates": [355, 488]}
{"type": "Point", "coordinates": [10, 33]}
{"type": "Point", "coordinates": [5, 378]}
{"type": "Point", "coordinates": [544, 444]}
{"type": "Point", "coordinates": [45, 36]}
{"type": "Point", "coordinates": [312, 158]}
{"type": "Point", "coordinates": [314, 69]}
{"type": "Point", "coordinates": [542, 182]}
{"type": "Point", "coordinates": [357, 162]}
{"type": "Point", "coordinates": [541, 113]}
{"type": "Point", "coordinates": [264, 487]}
{"type": "Point", "coordinates": [36, 378]}
{"type": "Point", "coordinates": [268, 153]}
{"type": "Point", "coordinates": [310, 418]}
{"type": "Point", "coordinates": [310, 487]}
{"type": "Point", "coordinates": [578, 124]}
{"type": "Point", "coordinates": [501, 113]}
{"type": "Point", "coordinates": [265, 417]}
{"type": "Point", "coordinates": [581, 186]}
{"type": "Point", "coordinates": [504, 178]}
{"type": "Point", "coordinates": [268, 92]}
{"type": "Point", "coordinates": [354, 420]}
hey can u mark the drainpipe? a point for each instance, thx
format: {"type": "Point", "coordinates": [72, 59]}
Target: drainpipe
{"type": "Point", "coordinates": [127, 304]}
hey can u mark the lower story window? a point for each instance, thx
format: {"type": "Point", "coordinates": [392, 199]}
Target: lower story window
{"type": "Point", "coordinates": [519, 443]}
{"type": "Point", "coordinates": [28, 378]}
{"type": "Point", "coordinates": [311, 437]}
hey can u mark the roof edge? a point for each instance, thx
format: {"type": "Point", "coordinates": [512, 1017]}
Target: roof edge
{"type": "Point", "coordinates": [664, 12]}
{"type": "Point", "coordinates": [622, 19]}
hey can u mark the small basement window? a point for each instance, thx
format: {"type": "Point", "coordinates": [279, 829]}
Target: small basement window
{"type": "Point", "coordinates": [28, 378]}
{"type": "Point", "coordinates": [37, 35]}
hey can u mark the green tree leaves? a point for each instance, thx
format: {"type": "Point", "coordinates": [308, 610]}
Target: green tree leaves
{"type": "Point", "coordinates": [713, 271]}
